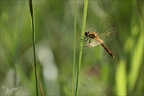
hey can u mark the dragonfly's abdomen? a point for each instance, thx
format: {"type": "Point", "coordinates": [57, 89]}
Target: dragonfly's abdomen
{"type": "Point", "coordinates": [110, 53]}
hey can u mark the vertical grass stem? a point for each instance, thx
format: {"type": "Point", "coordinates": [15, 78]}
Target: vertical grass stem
{"type": "Point", "coordinates": [33, 40]}
{"type": "Point", "coordinates": [81, 44]}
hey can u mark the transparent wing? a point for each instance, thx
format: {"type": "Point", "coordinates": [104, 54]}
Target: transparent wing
{"type": "Point", "coordinates": [108, 35]}
{"type": "Point", "coordinates": [94, 42]}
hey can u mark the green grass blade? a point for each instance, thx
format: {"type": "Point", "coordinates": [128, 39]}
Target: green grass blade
{"type": "Point", "coordinates": [121, 79]}
{"type": "Point", "coordinates": [81, 44]}
{"type": "Point", "coordinates": [73, 75]}
{"type": "Point", "coordinates": [33, 40]}
{"type": "Point", "coordinates": [39, 82]}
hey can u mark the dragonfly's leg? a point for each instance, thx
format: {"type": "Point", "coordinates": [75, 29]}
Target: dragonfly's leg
{"type": "Point", "coordinates": [85, 46]}
{"type": "Point", "coordinates": [86, 38]}
{"type": "Point", "coordinates": [82, 39]}
{"type": "Point", "coordinates": [89, 41]}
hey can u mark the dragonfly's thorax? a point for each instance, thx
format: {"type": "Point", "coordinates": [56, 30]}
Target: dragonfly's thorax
{"type": "Point", "coordinates": [93, 35]}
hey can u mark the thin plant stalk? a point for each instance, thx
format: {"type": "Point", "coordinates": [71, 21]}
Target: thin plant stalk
{"type": "Point", "coordinates": [73, 75]}
{"type": "Point", "coordinates": [39, 82]}
{"type": "Point", "coordinates": [33, 40]}
{"type": "Point", "coordinates": [81, 44]}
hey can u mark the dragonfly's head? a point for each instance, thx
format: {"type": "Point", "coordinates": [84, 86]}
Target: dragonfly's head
{"type": "Point", "coordinates": [86, 33]}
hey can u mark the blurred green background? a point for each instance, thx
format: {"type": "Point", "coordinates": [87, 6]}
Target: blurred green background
{"type": "Point", "coordinates": [54, 25]}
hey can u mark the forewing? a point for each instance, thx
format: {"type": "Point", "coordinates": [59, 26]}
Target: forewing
{"type": "Point", "coordinates": [108, 35]}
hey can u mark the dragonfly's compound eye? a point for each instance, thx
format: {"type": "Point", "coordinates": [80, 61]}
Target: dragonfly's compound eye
{"type": "Point", "coordinates": [86, 33]}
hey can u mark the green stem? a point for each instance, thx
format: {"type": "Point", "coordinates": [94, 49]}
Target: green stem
{"type": "Point", "coordinates": [33, 40]}
{"type": "Point", "coordinates": [81, 44]}
{"type": "Point", "coordinates": [73, 77]}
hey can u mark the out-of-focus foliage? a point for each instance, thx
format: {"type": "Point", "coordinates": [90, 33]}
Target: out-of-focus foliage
{"type": "Point", "coordinates": [54, 25]}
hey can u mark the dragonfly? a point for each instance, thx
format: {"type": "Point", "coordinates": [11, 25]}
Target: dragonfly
{"type": "Point", "coordinates": [94, 39]}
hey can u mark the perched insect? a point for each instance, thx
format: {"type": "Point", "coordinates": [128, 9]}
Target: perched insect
{"type": "Point", "coordinates": [95, 40]}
